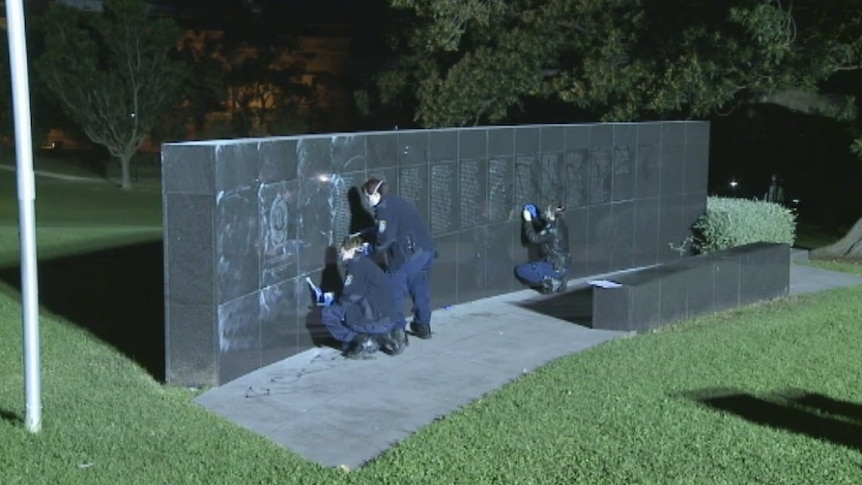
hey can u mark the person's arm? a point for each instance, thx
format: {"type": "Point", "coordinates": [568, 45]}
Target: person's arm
{"type": "Point", "coordinates": [387, 228]}
{"type": "Point", "coordinates": [356, 284]}
{"type": "Point", "coordinates": [540, 237]}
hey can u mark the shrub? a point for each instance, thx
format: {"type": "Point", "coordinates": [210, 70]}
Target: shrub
{"type": "Point", "coordinates": [730, 222]}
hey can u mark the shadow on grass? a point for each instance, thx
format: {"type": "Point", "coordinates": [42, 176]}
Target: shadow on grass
{"type": "Point", "coordinates": [574, 305]}
{"type": "Point", "coordinates": [116, 294]}
{"type": "Point", "coordinates": [810, 414]}
{"type": "Point", "coordinates": [11, 417]}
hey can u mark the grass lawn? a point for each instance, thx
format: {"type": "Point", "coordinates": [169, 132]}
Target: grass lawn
{"type": "Point", "coordinates": [766, 394]}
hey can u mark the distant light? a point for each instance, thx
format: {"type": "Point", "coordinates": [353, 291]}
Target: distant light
{"type": "Point", "coordinates": [733, 184]}
{"type": "Point", "coordinates": [796, 201]}
{"type": "Point", "coordinates": [324, 177]}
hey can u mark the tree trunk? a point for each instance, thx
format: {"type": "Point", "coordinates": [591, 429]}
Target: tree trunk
{"type": "Point", "coordinates": [125, 168]}
{"type": "Point", "coordinates": [850, 246]}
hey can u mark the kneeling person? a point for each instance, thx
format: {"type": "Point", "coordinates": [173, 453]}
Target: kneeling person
{"type": "Point", "coordinates": [549, 273]}
{"type": "Point", "coordinates": [364, 317]}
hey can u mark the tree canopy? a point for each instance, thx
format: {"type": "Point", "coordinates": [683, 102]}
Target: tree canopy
{"type": "Point", "coordinates": [478, 61]}
{"type": "Point", "coordinates": [112, 72]}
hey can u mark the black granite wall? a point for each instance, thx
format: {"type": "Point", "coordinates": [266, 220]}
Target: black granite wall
{"type": "Point", "coordinates": [247, 220]}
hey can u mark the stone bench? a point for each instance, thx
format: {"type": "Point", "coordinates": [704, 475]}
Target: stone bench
{"type": "Point", "coordinates": [693, 286]}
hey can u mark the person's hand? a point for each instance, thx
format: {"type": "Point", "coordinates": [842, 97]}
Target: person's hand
{"type": "Point", "coordinates": [527, 216]}
{"type": "Point", "coordinates": [328, 298]}
{"type": "Point", "coordinates": [367, 248]}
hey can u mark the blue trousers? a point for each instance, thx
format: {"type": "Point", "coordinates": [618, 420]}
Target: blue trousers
{"type": "Point", "coordinates": [413, 278]}
{"type": "Point", "coordinates": [533, 273]}
{"type": "Point", "coordinates": [333, 318]}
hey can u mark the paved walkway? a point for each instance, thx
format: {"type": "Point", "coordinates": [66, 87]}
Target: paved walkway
{"type": "Point", "coordinates": [339, 412]}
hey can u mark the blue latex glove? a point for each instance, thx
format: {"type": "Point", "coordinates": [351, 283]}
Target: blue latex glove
{"type": "Point", "coordinates": [533, 210]}
{"type": "Point", "coordinates": [328, 299]}
{"type": "Point", "coordinates": [367, 249]}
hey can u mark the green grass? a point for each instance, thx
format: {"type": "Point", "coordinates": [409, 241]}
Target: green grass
{"type": "Point", "coordinates": [640, 410]}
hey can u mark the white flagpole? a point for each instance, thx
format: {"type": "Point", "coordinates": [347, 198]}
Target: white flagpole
{"type": "Point", "coordinates": [26, 210]}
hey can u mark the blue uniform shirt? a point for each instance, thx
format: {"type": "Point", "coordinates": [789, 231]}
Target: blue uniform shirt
{"type": "Point", "coordinates": [368, 294]}
{"type": "Point", "coordinates": [401, 230]}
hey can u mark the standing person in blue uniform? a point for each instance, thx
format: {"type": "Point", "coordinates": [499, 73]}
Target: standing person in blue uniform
{"type": "Point", "coordinates": [407, 243]}
{"type": "Point", "coordinates": [549, 273]}
{"type": "Point", "coordinates": [363, 318]}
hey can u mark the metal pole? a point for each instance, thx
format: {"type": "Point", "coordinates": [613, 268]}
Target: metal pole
{"type": "Point", "coordinates": [26, 210]}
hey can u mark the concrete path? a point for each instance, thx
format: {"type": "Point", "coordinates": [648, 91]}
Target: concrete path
{"type": "Point", "coordinates": [338, 412]}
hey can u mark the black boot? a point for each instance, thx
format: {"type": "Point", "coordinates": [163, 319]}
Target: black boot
{"type": "Point", "coordinates": [362, 347]}
{"type": "Point", "coordinates": [421, 330]}
{"type": "Point", "coordinates": [393, 342]}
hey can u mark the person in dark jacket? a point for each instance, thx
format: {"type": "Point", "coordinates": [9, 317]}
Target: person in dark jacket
{"type": "Point", "coordinates": [407, 243]}
{"type": "Point", "coordinates": [549, 273]}
{"type": "Point", "coordinates": [364, 318]}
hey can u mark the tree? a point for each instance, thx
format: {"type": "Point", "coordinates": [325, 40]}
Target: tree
{"type": "Point", "coordinates": [481, 61]}
{"type": "Point", "coordinates": [475, 61]}
{"type": "Point", "coordinates": [112, 72]}
{"type": "Point", "coordinates": [260, 72]}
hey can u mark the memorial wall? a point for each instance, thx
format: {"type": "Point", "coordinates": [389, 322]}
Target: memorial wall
{"type": "Point", "coordinates": [246, 221]}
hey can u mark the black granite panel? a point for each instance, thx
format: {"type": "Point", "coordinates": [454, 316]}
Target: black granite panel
{"type": "Point", "coordinates": [237, 251]}
{"type": "Point", "coordinates": [671, 232]}
{"type": "Point", "coordinates": [443, 145]}
{"type": "Point", "coordinates": [726, 279]}
{"type": "Point", "coordinates": [349, 153]}
{"type": "Point", "coordinates": [471, 265]}
{"type": "Point", "coordinates": [553, 139]}
{"type": "Point", "coordinates": [612, 308]}
{"type": "Point", "coordinates": [191, 344]}
{"type": "Point", "coordinates": [552, 183]}
{"type": "Point", "coordinates": [694, 206]}
{"type": "Point", "coordinates": [576, 176]}
{"type": "Point", "coordinates": [625, 134]}
{"type": "Point", "coordinates": [646, 239]}
{"type": "Point", "coordinates": [500, 257]}
{"type": "Point", "coordinates": [673, 294]}
{"type": "Point", "coordinates": [700, 287]}
{"type": "Point", "coordinates": [527, 188]}
{"type": "Point", "coordinates": [316, 230]}
{"type": "Point", "coordinates": [237, 165]}
{"type": "Point", "coordinates": [672, 169]}
{"type": "Point", "coordinates": [277, 160]}
{"type": "Point", "coordinates": [673, 132]}
{"type": "Point", "coordinates": [314, 157]}
{"type": "Point", "coordinates": [501, 190]}
{"type": "Point", "coordinates": [382, 151]}
{"type": "Point", "coordinates": [577, 221]}
{"type": "Point", "coordinates": [412, 147]}
{"type": "Point", "coordinates": [349, 209]}
{"type": "Point", "coordinates": [311, 332]}
{"type": "Point", "coordinates": [473, 143]}
{"type": "Point", "coordinates": [279, 231]}
{"type": "Point", "coordinates": [697, 133]}
{"type": "Point", "coordinates": [280, 324]}
{"type": "Point", "coordinates": [600, 232]}
{"type": "Point", "coordinates": [646, 305]}
{"type": "Point", "coordinates": [648, 171]}
{"type": "Point", "coordinates": [188, 169]}
{"type": "Point", "coordinates": [239, 336]}
{"type": "Point", "coordinates": [390, 175]}
{"type": "Point", "coordinates": [444, 273]}
{"type": "Point", "coordinates": [622, 236]}
{"type": "Point", "coordinates": [601, 135]}
{"type": "Point", "coordinates": [413, 185]}
{"type": "Point", "coordinates": [601, 175]}
{"type": "Point", "coordinates": [501, 142]}
{"type": "Point", "coordinates": [445, 206]}
{"type": "Point", "coordinates": [764, 271]}
{"type": "Point", "coordinates": [527, 140]}
{"type": "Point", "coordinates": [696, 169]}
{"type": "Point", "coordinates": [473, 193]}
{"type": "Point", "coordinates": [623, 184]}
{"type": "Point", "coordinates": [189, 251]}
{"type": "Point", "coordinates": [649, 134]}
{"type": "Point", "coordinates": [577, 137]}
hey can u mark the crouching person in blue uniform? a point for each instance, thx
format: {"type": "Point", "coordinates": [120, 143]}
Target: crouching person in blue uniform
{"type": "Point", "coordinates": [410, 250]}
{"type": "Point", "coordinates": [549, 273]}
{"type": "Point", "coordinates": [364, 318]}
